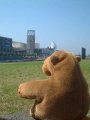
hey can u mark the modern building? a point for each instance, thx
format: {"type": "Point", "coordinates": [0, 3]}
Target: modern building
{"type": "Point", "coordinates": [5, 45]}
{"type": "Point", "coordinates": [83, 53]}
{"type": "Point", "coordinates": [30, 41]}
{"type": "Point", "coordinates": [19, 48]}
{"type": "Point", "coordinates": [19, 45]}
{"type": "Point", "coordinates": [13, 48]}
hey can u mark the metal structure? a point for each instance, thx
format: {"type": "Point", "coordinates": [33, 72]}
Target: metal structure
{"type": "Point", "coordinates": [30, 41]}
{"type": "Point", "coordinates": [53, 45]}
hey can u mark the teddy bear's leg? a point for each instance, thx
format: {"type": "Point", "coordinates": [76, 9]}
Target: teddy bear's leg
{"type": "Point", "coordinates": [32, 111]}
{"type": "Point", "coordinates": [40, 111]}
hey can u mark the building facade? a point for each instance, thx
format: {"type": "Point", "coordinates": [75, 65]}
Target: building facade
{"type": "Point", "coordinates": [37, 45]}
{"type": "Point", "coordinates": [5, 45]}
{"type": "Point", "coordinates": [83, 53]}
{"type": "Point", "coordinates": [30, 41]}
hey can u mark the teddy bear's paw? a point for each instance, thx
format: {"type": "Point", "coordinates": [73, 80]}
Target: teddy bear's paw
{"type": "Point", "coordinates": [22, 90]}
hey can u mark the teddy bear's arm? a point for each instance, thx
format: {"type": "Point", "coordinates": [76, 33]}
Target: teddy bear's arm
{"type": "Point", "coordinates": [32, 89]}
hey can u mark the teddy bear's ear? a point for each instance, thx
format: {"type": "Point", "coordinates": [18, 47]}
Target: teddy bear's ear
{"type": "Point", "coordinates": [78, 58]}
{"type": "Point", "coordinates": [55, 60]}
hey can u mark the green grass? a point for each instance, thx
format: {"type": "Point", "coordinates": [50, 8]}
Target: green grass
{"type": "Point", "coordinates": [85, 66]}
{"type": "Point", "coordinates": [12, 74]}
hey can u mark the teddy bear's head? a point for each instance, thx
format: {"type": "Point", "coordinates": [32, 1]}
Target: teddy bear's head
{"type": "Point", "coordinates": [58, 58]}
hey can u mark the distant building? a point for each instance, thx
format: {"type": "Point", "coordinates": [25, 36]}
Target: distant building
{"type": "Point", "coordinates": [5, 44]}
{"type": "Point", "coordinates": [83, 53]}
{"type": "Point", "coordinates": [13, 48]}
{"type": "Point", "coordinates": [30, 41]}
{"type": "Point", "coordinates": [37, 45]}
{"type": "Point", "coordinates": [19, 45]}
{"type": "Point", "coordinates": [47, 51]}
{"type": "Point", "coordinates": [44, 52]}
{"type": "Point", "coordinates": [19, 48]}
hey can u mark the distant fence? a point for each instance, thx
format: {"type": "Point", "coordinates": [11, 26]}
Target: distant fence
{"type": "Point", "coordinates": [10, 58]}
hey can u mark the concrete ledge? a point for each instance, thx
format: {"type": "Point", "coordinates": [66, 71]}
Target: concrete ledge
{"type": "Point", "coordinates": [18, 116]}
{"type": "Point", "coordinates": [21, 116]}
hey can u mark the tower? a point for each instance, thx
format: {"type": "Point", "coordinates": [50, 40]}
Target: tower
{"type": "Point", "coordinates": [83, 53]}
{"type": "Point", "coordinates": [30, 41]}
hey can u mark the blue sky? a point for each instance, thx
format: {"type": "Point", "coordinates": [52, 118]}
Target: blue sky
{"type": "Point", "coordinates": [66, 22]}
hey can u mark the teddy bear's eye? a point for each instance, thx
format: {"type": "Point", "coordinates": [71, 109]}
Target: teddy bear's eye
{"type": "Point", "coordinates": [55, 60]}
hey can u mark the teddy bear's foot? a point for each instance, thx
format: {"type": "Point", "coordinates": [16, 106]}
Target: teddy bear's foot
{"type": "Point", "coordinates": [36, 118]}
{"type": "Point", "coordinates": [33, 115]}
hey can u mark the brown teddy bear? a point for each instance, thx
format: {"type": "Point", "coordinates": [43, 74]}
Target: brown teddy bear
{"type": "Point", "coordinates": [64, 95]}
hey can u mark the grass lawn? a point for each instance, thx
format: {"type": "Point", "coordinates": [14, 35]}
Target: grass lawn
{"type": "Point", "coordinates": [12, 74]}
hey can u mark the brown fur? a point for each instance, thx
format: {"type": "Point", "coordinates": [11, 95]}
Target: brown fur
{"type": "Point", "coordinates": [64, 95]}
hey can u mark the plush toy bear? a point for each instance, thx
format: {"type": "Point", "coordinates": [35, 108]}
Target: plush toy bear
{"type": "Point", "coordinates": [64, 95]}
